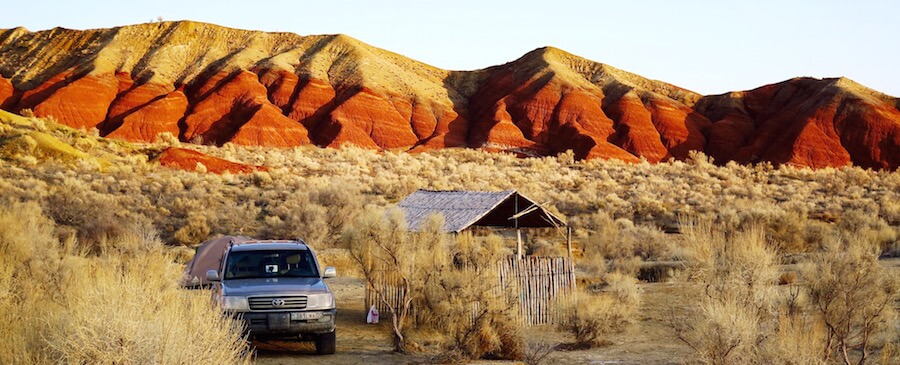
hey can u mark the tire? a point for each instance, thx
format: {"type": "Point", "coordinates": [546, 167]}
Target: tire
{"type": "Point", "coordinates": [326, 343]}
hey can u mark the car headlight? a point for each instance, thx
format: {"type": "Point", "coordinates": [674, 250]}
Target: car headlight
{"type": "Point", "coordinates": [236, 304]}
{"type": "Point", "coordinates": [320, 301]}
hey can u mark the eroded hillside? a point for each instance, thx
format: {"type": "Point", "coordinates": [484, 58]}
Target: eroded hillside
{"type": "Point", "coordinates": [209, 84]}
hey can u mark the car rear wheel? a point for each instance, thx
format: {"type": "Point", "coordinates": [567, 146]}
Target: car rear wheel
{"type": "Point", "coordinates": [326, 343]}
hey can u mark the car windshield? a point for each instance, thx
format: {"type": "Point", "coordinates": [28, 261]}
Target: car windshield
{"type": "Point", "coordinates": [270, 264]}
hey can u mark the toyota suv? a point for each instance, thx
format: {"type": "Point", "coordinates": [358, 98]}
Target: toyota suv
{"type": "Point", "coordinates": [277, 289]}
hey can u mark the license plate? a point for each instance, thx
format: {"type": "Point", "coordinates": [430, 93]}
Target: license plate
{"type": "Point", "coordinates": [299, 316]}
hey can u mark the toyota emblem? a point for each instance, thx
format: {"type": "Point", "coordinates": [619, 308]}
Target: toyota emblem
{"type": "Point", "coordinates": [277, 302]}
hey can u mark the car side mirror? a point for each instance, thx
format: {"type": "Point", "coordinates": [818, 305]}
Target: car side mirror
{"type": "Point", "coordinates": [212, 275]}
{"type": "Point", "coordinates": [330, 272]}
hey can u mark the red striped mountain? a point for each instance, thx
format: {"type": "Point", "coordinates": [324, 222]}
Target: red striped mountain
{"type": "Point", "coordinates": [209, 84]}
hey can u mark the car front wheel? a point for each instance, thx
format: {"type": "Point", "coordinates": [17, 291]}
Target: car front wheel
{"type": "Point", "coordinates": [326, 343]}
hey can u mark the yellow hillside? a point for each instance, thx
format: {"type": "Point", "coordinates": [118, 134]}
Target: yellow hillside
{"type": "Point", "coordinates": [22, 137]}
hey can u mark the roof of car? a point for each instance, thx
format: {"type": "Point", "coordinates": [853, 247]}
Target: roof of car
{"type": "Point", "coordinates": [261, 245]}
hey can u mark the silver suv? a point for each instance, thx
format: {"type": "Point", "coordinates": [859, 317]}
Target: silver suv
{"type": "Point", "coordinates": [276, 288]}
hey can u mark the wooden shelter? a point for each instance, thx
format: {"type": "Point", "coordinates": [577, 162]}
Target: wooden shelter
{"type": "Point", "coordinates": [465, 209]}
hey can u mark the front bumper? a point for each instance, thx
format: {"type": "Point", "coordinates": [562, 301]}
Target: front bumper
{"type": "Point", "coordinates": [280, 324]}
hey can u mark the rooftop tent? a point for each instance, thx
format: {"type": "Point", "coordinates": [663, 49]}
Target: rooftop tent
{"type": "Point", "coordinates": [209, 256]}
{"type": "Point", "coordinates": [464, 209]}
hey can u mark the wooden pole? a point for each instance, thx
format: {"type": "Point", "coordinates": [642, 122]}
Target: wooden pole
{"type": "Point", "coordinates": [518, 231]}
{"type": "Point", "coordinates": [569, 240]}
{"type": "Point", "coordinates": [518, 243]}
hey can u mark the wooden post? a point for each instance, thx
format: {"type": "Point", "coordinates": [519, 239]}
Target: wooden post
{"type": "Point", "coordinates": [518, 231]}
{"type": "Point", "coordinates": [569, 240]}
{"type": "Point", "coordinates": [518, 243]}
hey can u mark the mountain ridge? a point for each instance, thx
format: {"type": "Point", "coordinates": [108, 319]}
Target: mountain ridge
{"type": "Point", "coordinates": [211, 84]}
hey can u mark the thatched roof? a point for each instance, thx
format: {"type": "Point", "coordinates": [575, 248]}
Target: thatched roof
{"type": "Point", "coordinates": [463, 209]}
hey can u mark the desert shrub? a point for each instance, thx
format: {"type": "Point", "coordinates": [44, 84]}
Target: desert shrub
{"type": "Point", "coordinates": [787, 278]}
{"type": "Point", "coordinates": [854, 297]}
{"type": "Point", "coordinates": [648, 243]}
{"type": "Point", "coordinates": [91, 214]}
{"type": "Point", "coordinates": [597, 231]}
{"type": "Point", "coordinates": [384, 248]}
{"type": "Point", "coordinates": [842, 311]}
{"type": "Point", "coordinates": [592, 318]}
{"type": "Point", "coordinates": [65, 304]}
{"type": "Point", "coordinates": [722, 332]}
{"type": "Point", "coordinates": [543, 247]}
{"type": "Point", "coordinates": [195, 230]}
{"type": "Point", "coordinates": [435, 275]}
{"type": "Point", "coordinates": [465, 301]}
{"type": "Point", "coordinates": [537, 351]}
{"type": "Point", "coordinates": [734, 277]}
{"type": "Point", "coordinates": [855, 225]}
{"type": "Point", "coordinates": [629, 265]}
{"type": "Point", "coordinates": [317, 214]}
{"type": "Point", "coordinates": [797, 340]}
{"type": "Point", "coordinates": [619, 245]}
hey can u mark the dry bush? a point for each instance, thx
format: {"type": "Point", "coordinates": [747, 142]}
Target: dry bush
{"type": "Point", "coordinates": [602, 233]}
{"type": "Point", "coordinates": [860, 225]}
{"type": "Point", "coordinates": [592, 318]}
{"type": "Point", "coordinates": [465, 302]}
{"type": "Point", "coordinates": [92, 215]}
{"type": "Point", "coordinates": [536, 352]}
{"type": "Point", "coordinates": [619, 245]}
{"type": "Point", "coordinates": [854, 297]}
{"type": "Point", "coordinates": [195, 231]}
{"type": "Point", "coordinates": [317, 214]}
{"type": "Point", "coordinates": [543, 247]}
{"type": "Point", "coordinates": [797, 340]}
{"type": "Point", "coordinates": [452, 284]}
{"type": "Point", "coordinates": [384, 248]}
{"type": "Point", "coordinates": [740, 265]}
{"type": "Point", "coordinates": [733, 280]}
{"type": "Point", "coordinates": [843, 312]}
{"type": "Point", "coordinates": [341, 260]}
{"type": "Point", "coordinates": [121, 306]}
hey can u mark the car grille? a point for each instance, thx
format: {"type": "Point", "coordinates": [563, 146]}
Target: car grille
{"type": "Point", "coordinates": [266, 303]}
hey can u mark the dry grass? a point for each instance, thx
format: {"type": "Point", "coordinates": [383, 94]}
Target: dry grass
{"type": "Point", "coordinates": [593, 318]}
{"type": "Point", "coordinates": [61, 303]}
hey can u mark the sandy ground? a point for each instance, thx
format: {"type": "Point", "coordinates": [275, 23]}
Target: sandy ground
{"type": "Point", "coordinates": [650, 341]}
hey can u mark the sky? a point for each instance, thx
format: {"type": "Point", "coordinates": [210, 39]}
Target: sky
{"type": "Point", "coordinates": [710, 47]}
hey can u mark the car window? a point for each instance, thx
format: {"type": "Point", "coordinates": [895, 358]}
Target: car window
{"type": "Point", "coordinates": [270, 263]}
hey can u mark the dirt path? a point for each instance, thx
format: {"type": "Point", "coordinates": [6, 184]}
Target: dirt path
{"type": "Point", "coordinates": [357, 342]}
{"type": "Point", "coordinates": [650, 341]}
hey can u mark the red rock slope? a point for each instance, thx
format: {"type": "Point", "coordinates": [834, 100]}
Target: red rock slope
{"type": "Point", "coordinates": [806, 122]}
{"type": "Point", "coordinates": [190, 160]}
{"type": "Point", "coordinates": [214, 85]}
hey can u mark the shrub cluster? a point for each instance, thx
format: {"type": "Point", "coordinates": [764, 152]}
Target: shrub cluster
{"type": "Point", "coordinates": [841, 310]}
{"type": "Point", "coordinates": [115, 303]}
{"type": "Point", "coordinates": [314, 192]}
